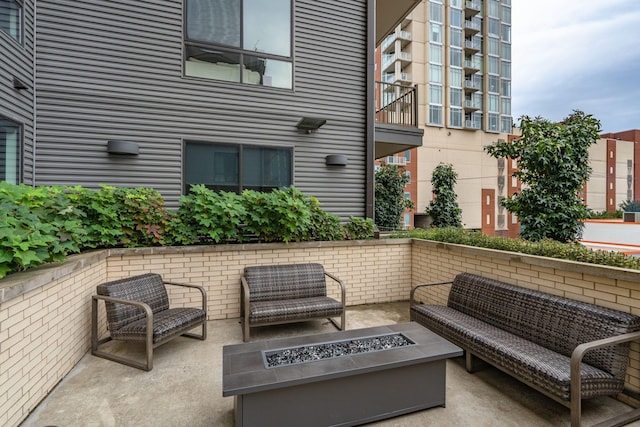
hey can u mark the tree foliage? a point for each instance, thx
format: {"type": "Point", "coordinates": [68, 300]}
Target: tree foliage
{"type": "Point", "coordinates": [389, 194]}
{"type": "Point", "coordinates": [553, 163]}
{"type": "Point", "coordinates": [444, 209]}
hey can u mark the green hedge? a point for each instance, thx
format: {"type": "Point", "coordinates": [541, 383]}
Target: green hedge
{"type": "Point", "coordinates": [44, 224]}
{"type": "Point", "coordinates": [548, 248]}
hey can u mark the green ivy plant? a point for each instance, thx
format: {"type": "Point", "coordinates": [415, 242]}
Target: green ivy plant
{"type": "Point", "coordinates": [389, 196]}
{"type": "Point", "coordinates": [443, 208]}
{"type": "Point", "coordinates": [553, 162]}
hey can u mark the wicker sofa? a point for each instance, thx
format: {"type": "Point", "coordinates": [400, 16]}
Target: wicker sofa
{"type": "Point", "coordinates": [275, 294]}
{"type": "Point", "coordinates": [567, 349]}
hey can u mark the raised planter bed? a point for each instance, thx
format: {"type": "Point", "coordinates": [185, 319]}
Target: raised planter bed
{"type": "Point", "coordinates": [352, 388]}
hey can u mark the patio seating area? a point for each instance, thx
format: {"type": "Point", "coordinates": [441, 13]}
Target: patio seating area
{"type": "Point", "coordinates": [185, 386]}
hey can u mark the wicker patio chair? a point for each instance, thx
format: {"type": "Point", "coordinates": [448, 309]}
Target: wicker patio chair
{"type": "Point", "coordinates": [137, 309]}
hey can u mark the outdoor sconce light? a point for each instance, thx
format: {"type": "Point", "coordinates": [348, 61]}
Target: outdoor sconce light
{"type": "Point", "coordinates": [336, 160]}
{"type": "Point", "coordinates": [123, 147]}
{"type": "Point", "coordinates": [309, 123]}
{"type": "Point", "coordinates": [19, 84]}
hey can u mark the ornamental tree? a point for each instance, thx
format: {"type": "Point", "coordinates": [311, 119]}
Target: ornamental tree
{"type": "Point", "coordinates": [443, 208]}
{"type": "Point", "coordinates": [389, 194]}
{"type": "Point", "coordinates": [553, 161]}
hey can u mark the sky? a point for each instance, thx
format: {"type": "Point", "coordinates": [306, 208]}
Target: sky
{"type": "Point", "coordinates": [577, 54]}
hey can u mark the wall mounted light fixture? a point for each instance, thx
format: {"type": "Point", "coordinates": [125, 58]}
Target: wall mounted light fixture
{"type": "Point", "coordinates": [308, 124]}
{"type": "Point", "coordinates": [19, 84]}
{"type": "Point", "coordinates": [336, 160]}
{"type": "Point", "coordinates": [123, 147]}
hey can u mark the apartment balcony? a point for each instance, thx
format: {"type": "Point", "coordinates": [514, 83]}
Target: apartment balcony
{"type": "Point", "coordinates": [471, 27]}
{"type": "Point", "coordinates": [471, 85]}
{"type": "Point", "coordinates": [472, 46]}
{"type": "Point", "coordinates": [472, 8]}
{"type": "Point", "coordinates": [389, 59]}
{"type": "Point", "coordinates": [470, 124]}
{"type": "Point", "coordinates": [471, 66]}
{"type": "Point", "coordinates": [396, 77]}
{"type": "Point", "coordinates": [470, 105]}
{"type": "Point", "coordinates": [389, 41]}
{"type": "Point", "coordinates": [396, 126]}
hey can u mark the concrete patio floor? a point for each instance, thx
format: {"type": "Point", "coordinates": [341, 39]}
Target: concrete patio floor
{"type": "Point", "coordinates": [185, 386]}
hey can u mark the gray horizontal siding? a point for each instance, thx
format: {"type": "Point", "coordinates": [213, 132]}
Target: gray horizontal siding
{"type": "Point", "coordinates": [16, 60]}
{"type": "Point", "coordinates": [113, 70]}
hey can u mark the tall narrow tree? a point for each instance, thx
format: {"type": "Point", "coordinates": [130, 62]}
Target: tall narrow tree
{"type": "Point", "coordinates": [443, 208]}
{"type": "Point", "coordinates": [389, 193]}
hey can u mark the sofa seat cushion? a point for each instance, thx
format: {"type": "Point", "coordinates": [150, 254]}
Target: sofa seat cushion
{"type": "Point", "coordinates": [534, 364]}
{"type": "Point", "coordinates": [263, 312]}
{"type": "Point", "coordinates": [165, 324]}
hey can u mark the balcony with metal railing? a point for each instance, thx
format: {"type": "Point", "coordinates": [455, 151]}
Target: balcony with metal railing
{"type": "Point", "coordinates": [472, 105]}
{"type": "Point", "coordinates": [472, 46]}
{"type": "Point", "coordinates": [471, 27]}
{"type": "Point", "coordinates": [471, 85]}
{"type": "Point", "coordinates": [472, 66]}
{"type": "Point", "coordinates": [471, 124]}
{"type": "Point", "coordinates": [396, 116]}
{"type": "Point", "coordinates": [472, 8]}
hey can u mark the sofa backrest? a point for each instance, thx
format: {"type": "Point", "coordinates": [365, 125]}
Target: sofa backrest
{"type": "Point", "coordinates": [148, 288]}
{"type": "Point", "coordinates": [551, 321]}
{"type": "Point", "coordinates": [290, 281]}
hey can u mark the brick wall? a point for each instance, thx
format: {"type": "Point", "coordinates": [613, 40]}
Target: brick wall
{"type": "Point", "coordinates": [45, 313]}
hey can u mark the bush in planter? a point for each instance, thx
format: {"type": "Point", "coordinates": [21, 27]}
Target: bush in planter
{"type": "Point", "coordinates": [358, 228]}
{"type": "Point", "coordinates": [206, 216]}
{"type": "Point", "coordinates": [37, 226]}
{"type": "Point", "coordinates": [545, 247]}
{"type": "Point", "coordinates": [115, 217]}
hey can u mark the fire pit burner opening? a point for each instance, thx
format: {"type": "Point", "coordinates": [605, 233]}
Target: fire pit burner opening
{"type": "Point", "coordinates": [328, 350]}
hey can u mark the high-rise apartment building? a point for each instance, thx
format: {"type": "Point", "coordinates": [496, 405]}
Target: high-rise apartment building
{"type": "Point", "coordinates": [458, 54]}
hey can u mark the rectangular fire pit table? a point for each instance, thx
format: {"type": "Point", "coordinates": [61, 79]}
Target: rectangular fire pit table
{"type": "Point", "coordinates": [345, 390]}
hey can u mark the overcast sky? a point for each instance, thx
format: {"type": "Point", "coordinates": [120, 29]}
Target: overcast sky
{"type": "Point", "coordinates": [577, 54]}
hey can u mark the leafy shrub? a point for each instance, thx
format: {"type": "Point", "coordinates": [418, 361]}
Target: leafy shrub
{"type": "Point", "coordinates": [630, 206]}
{"type": "Point", "coordinates": [205, 216]}
{"type": "Point", "coordinates": [279, 215]}
{"type": "Point", "coordinates": [545, 247]}
{"type": "Point", "coordinates": [323, 225]}
{"type": "Point", "coordinates": [444, 209]}
{"type": "Point", "coordinates": [390, 181]}
{"type": "Point", "coordinates": [37, 226]}
{"type": "Point", "coordinates": [358, 228]}
{"type": "Point", "coordinates": [604, 214]}
{"type": "Point", "coordinates": [121, 216]}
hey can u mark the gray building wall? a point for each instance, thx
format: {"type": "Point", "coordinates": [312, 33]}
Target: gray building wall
{"type": "Point", "coordinates": [112, 69]}
{"type": "Point", "coordinates": [16, 60]}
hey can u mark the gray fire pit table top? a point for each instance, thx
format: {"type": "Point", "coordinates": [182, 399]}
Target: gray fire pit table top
{"type": "Point", "coordinates": [244, 369]}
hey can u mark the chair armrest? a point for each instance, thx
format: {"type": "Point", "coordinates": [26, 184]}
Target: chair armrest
{"type": "Point", "coordinates": [343, 290]}
{"type": "Point", "coordinates": [245, 297]}
{"type": "Point", "coordinates": [415, 288]}
{"type": "Point", "coordinates": [142, 305]}
{"type": "Point", "coordinates": [576, 359]}
{"type": "Point", "coordinates": [198, 287]}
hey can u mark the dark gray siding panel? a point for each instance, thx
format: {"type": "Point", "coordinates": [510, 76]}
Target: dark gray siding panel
{"type": "Point", "coordinates": [113, 70]}
{"type": "Point", "coordinates": [16, 60]}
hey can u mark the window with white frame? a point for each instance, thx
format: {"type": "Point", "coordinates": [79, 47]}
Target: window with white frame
{"type": "Point", "coordinates": [11, 18]}
{"type": "Point", "coordinates": [10, 150]}
{"type": "Point", "coordinates": [244, 41]}
{"type": "Point", "coordinates": [236, 167]}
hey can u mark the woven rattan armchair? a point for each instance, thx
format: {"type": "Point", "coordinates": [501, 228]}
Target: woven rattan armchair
{"type": "Point", "coordinates": [137, 309]}
{"type": "Point", "coordinates": [275, 294]}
